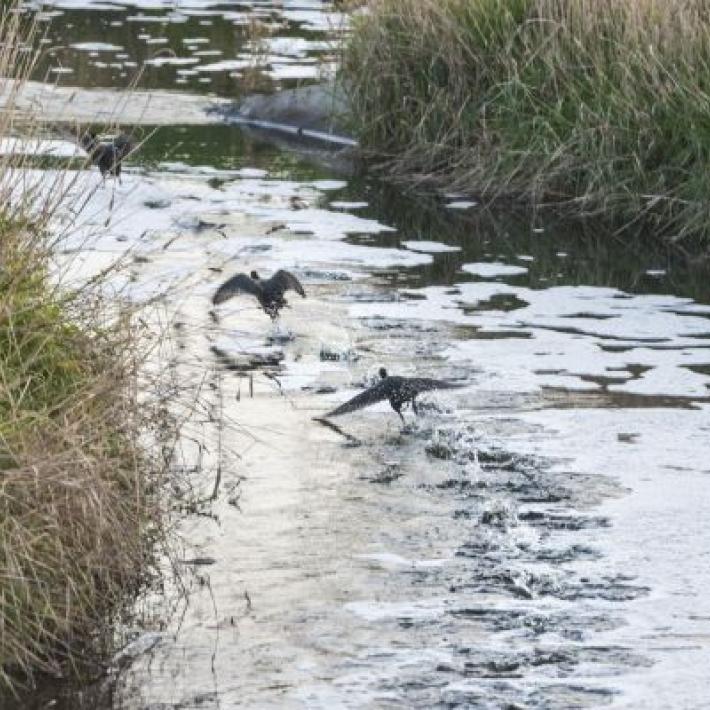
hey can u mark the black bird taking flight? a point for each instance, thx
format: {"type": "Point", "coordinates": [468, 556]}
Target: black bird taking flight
{"type": "Point", "coordinates": [398, 390]}
{"type": "Point", "coordinates": [107, 155]}
{"type": "Point", "coordinates": [269, 292]}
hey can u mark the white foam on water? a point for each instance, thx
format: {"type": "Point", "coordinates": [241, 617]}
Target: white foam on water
{"type": "Point", "coordinates": [317, 20]}
{"type": "Point", "coordinates": [390, 560]}
{"type": "Point", "coordinates": [181, 198]}
{"type": "Point", "coordinates": [342, 205]}
{"type": "Point", "coordinates": [461, 204]}
{"type": "Point", "coordinates": [377, 611]}
{"type": "Point", "coordinates": [566, 334]}
{"type": "Point", "coordinates": [281, 71]}
{"type": "Point", "coordinates": [429, 247]}
{"type": "Point", "coordinates": [96, 47]}
{"type": "Point", "coordinates": [227, 65]}
{"type": "Point", "coordinates": [492, 270]}
{"type": "Point", "coordinates": [171, 61]}
{"type": "Point", "coordinates": [659, 536]}
{"type": "Point", "coordinates": [298, 47]}
{"type": "Point", "coordinates": [40, 146]}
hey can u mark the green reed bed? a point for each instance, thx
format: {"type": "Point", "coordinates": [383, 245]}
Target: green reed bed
{"type": "Point", "coordinates": [79, 493]}
{"type": "Point", "coordinates": [600, 107]}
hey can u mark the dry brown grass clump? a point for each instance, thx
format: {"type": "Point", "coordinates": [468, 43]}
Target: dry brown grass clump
{"type": "Point", "coordinates": [77, 506]}
{"type": "Point", "coordinates": [601, 107]}
{"type": "Point", "coordinates": [79, 494]}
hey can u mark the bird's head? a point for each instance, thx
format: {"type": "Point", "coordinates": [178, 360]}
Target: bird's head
{"type": "Point", "coordinates": [383, 373]}
{"type": "Point", "coordinates": [87, 140]}
{"type": "Point", "coordinates": [254, 275]}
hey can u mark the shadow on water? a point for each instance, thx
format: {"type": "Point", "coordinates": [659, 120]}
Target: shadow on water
{"type": "Point", "coordinates": [230, 147]}
{"type": "Point", "coordinates": [554, 252]}
{"type": "Point", "coordinates": [225, 147]}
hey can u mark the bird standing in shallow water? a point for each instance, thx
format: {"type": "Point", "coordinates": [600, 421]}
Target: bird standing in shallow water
{"type": "Point", "coordinates": [269, 292]}
{"type": "Point", "coordinates": [398, 390]}
{"type": "Point", "coordinates": [107, 155]}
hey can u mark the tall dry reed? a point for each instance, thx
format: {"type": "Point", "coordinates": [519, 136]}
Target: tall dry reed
{"type": "Point", "coordinates": [598, 106]}
{"type": "Point", "coordinates": [80, 492]}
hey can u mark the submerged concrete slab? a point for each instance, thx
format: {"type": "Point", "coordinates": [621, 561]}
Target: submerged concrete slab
{"type": "Point", "coordinates": [320, 108]}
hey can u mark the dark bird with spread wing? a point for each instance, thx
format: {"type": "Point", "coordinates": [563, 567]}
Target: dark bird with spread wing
{"type": "Point", "coordinates": [398, 390]}
{"type": "Point", "coordinates": [107, 155]}
{"type": "Point", "coordinates": [269, 292]}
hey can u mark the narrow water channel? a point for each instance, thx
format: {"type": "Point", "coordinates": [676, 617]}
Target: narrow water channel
{"type": "Point", "coordinates": [535, 539]}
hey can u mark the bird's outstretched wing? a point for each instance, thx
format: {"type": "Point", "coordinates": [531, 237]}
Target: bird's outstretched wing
{"type": "Point", "coordinates": [374, 394]}
{"type": "Point", "coordinates": [241, 283]}
{"type": "Point", "coordinates": [286, 280]}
